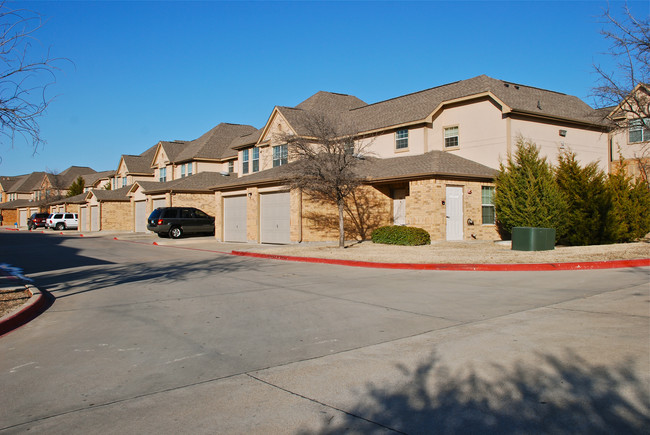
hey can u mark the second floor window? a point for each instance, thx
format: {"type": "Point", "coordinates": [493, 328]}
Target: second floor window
{"type": "Point", "coordinates": [244, 162]}
{"type": "Point", "coordinates": [182, 171]}
{"type": "Point", "coordinates": [451, 137]}
{"type": "Point", "coordinates": [280, 155]}
{"type": "Point", "coordinates": [231, 167]}
{"type": "Point", "coordinates": [639, 130]}
{"type": "Point", "coordinates": [189, 169]}
{"type": "Point", "coordinates": [401, 139]}
{"type": "Point", "coordinates": [163, 175]}
{"type": "Point", "coordinates": [124, 181]}
{"type": "Point", "coordinates": [256, 159]}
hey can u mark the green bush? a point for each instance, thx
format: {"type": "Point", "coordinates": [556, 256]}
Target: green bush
{"type": "Point", "coordinates": [628, 218]}
{"type": "Point", "coordinates": [398, 235]}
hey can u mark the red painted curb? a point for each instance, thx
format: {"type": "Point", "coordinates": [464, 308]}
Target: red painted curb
{"type": "Point", "coordinates": [590, 265]}
{"type": "Point", "coordinates": [36, 306]}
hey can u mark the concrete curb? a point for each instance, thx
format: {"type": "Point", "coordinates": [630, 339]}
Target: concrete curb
{"type": "Point", "coordinates": [40, 301]}
{"type": "Point", "coordinates": [530, 267]}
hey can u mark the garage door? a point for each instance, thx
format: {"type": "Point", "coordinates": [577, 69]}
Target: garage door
{"type": "Point", "coordinates": [94, 218]}
{"type": "Point", "coordinates": [22, 218]}
{"type": "Point", "coordinates": [275, 213]}
{"type": "Point", "coordinates": [234, 219]}
{"type": "Point", "coordinates": [140, 216]}
{"type": "Point", "coordinates": [83, 218]}
{"type": "Point", "coordinates": [159, 202]}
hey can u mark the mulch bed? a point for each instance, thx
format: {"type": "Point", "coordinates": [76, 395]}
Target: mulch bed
{"type": "Point", "coordinates": [12, 298]}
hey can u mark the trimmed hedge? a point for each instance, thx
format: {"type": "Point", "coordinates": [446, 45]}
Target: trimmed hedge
{"type": "Point", "coordinates": [398, 235]}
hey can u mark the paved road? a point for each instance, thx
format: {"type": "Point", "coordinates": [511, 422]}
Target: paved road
{"type": "Point", "coordinates": [156, 339]}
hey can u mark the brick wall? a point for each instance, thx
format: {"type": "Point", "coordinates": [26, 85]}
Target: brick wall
{"type": "Point", "coordinates": [9, 216]}
{"type": "Point", "coordinates": [425, 209]}
{"type": "Point", "coordinates": [117, 216]}
{"type": "Point", "coordinates": [202, 201]}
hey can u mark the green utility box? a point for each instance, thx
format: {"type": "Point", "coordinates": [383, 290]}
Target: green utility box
{"type": "Point", "coordinates": [533, 239]}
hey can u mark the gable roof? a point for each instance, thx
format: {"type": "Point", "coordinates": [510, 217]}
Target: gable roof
{"type": "Point", "coordinates": [91, 179]}
{"type": "Point", "coordinates": [215, 144]}
{"type": "Point", "coordinates": [118, 195]}
{"type": "Point", "coordinates": [518, 98]}
{"type": "Point", "coordinates": [327, 102]}
{"type": "Point", "coordinates": [6, 183]}
{"type": "Point", "coordinates": [201, 182]}
{"type": "Point", "coordinates": [28, 184]}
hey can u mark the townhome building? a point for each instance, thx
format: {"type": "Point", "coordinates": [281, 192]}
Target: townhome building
{"type": "Point", "coordinates": [431, 157]}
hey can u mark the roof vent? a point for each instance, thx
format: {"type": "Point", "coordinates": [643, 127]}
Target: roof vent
{"type": "Point", "coordinates": [507, 85]}
{"type": "Point", "coordinates": [225, 173]}
{"type": "Point", "coordinates": [539, 105]}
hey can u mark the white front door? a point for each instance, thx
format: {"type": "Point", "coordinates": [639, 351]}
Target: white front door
{"type": "Point", "coordinates": [454, 212]}
{"type": "Point", "coordinates": [399, 207]}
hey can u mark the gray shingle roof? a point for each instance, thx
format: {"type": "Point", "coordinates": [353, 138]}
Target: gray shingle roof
{"type": "Point", "coordinates": [7, 183]}
{"type": "Point", "coordinates": [118, 195]}
{"type": "Point", "coordinates": [215, 144]}
{"type": "Point", "coordinates": [433, 163]}
{"type": "Point", "coordinates": [28, 184]}
{"type": "Point", "coordinates": [246, 140]}
{"type": "Point", "coordinates": [91, 179]}
{"type": "Point", "coordinates": [201, 182]}
{"type": "Point", "coordinates": [327, 102]}
{"type": "Point", "coordinates": [520, 98]}
{"type": "Point", "coordinates": [20, 203]}
{"type": "Point", "coordinates": [77, 199]}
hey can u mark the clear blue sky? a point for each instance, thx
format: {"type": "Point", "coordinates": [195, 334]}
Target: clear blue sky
{"type": "Point", "coordinates": [150, 71]}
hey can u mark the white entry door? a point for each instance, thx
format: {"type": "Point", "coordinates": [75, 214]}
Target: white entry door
{"type": "Point", "coordinates": [275, 217]}
{"type": "Point", "coordinates": [399, 207]}
{"type": "Point", "coordinates": [22, 218]}
{"type": "Point", "coordinates": [140, 216]}
{"type": "Point", "coordinates": [454, 212]}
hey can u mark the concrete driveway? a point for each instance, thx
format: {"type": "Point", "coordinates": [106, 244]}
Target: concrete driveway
{"type": "Point", "coordinates": [155, 339]}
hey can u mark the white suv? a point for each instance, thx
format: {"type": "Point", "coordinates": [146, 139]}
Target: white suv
{"type": "Point", "coordinates": [62, 221]}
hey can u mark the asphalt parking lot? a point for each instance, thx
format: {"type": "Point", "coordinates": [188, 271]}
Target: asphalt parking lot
{"type": "Point", "coordinates": [156, 339]}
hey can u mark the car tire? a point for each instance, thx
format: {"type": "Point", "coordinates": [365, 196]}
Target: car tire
{"type": "Point", "coordinates": [175, 232]}
{"type": "Point", "coordinates": [31, 227]}
{"type": "Point", "coordinates": [60, 226]}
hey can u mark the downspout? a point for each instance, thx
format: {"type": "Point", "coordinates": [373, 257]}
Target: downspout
{"type": "Point", "coordinates": [300, 215]}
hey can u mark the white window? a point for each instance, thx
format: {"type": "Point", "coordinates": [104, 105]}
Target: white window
{"type": "Point", "coordinates": [401, 139]}
{"type": "Point", "coordinates": [189, 169]}
{"type": "Point", "coordinates": [182, 171]}
{"type": "Point", "coordinates": [244, 163]}
{"type": "Point", "coordinates": [231, 166]}
{"type": "Point", "coordinates": [451, 137]}
{"type": "Point", "coordinates": [124, 181]}
{"type": "Point", "coordinates": [280, 155]}
{"type": "Point", "coordinates": [639, 130]}
{"type": "Point", "coordinates": [256, 159]}
{"type": "Point", "coordinates": [487, 199]}
{"type": "Point", "coordinates": [163, 175]}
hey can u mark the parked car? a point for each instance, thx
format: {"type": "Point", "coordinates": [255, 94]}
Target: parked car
{"type": "Point", "coordinates": [63, 221]}
{"type": "Point", "coordinates": [176, 221]}
{"type": "Point", "coordinates": [37, 220]}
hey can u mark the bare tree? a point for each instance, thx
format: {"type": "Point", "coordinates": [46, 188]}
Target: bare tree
{"type": "Point", "coordinates": [628, 86]}
{"type": "Point", "coordinates": [25, 75]}
{"type": "Point", "coordinates": [323, 162]}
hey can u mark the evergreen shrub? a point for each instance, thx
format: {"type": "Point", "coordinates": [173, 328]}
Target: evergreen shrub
{"type": "Point", "coordinates": [400, 235]}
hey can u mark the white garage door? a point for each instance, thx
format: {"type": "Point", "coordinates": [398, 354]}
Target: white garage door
{"type": "Point", "coordinates": [22, 218]}
{"type": "Point", "coordinates": [275, 213]}
{"type": "Point", "coordinates": [140, 216]}
{"type": "Point", "coordinates": [94, 218]}
{"type": "Point", "coordinates": [83, 218]}
{"type": "Point", "coordinates": [159, 202]}
{"type": "Point", "coordinates": [234, 219]}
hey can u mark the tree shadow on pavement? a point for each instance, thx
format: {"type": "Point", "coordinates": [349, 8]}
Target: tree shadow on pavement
{"type": "Point", "coordinates": [75, 281]}
{"type": "Point", "coordinates": [560, 395]}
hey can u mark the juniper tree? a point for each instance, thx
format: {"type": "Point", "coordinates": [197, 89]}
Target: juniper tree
{"type": "Point", "coordinates": [77, 187]}
{"type": "Point", "coordinates": [587, 199]}
{"type": "Point", "coordinates": [526, 193]}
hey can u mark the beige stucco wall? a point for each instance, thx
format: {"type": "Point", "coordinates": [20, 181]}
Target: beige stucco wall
{"type": "Point", "coordinates": [207, 167]}
{"type": "Point", "coordinates": [383, 145]}
{"type": "Point", "coordinates": [589, 145]}
{"type": "Point", "coordinates": [253, 214]}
